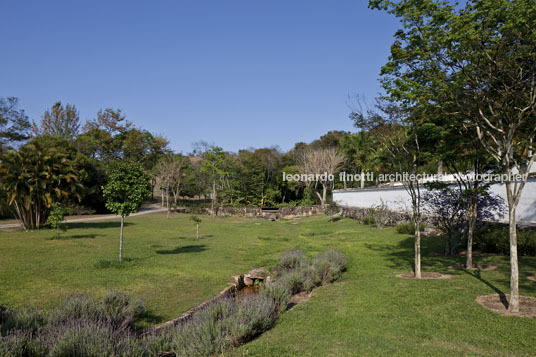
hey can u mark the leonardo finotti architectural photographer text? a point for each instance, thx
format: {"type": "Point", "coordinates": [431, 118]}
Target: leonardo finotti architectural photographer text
{"type": "Point", "coordinates": [401, 177]}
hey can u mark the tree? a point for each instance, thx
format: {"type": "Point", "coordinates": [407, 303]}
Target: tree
{"type": "Point", "coordinates": [449, 209]}
{"type": "Point", "coordinates": [56, 217]}
{"type": "Point", "coordinates": [197, 221]}
{"type": "Point", "coordinates": [481, 59]}
{"type": "Point", "coordinates": [35, 177]}
{"type": "Point", "coordinates": [214, 167]}
{"type": "Point", "coordinates": [320, 163]}
{"type": "Point", "coordinates": [128, 186]}
{"type": "Point", "coordinates": [398, 129]}
{"type": "Point", "coordinates": [170, 170]}
{"type": "Point", "coordinates": [14, 123]}
{"type": "Point", "coordinates": [60, 121]}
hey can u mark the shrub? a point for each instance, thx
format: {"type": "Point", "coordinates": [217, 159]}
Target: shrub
{"type": "Point", "coordinates": [293, 281]}
{"type": "Point", "coordinates": [496, 240]}
{"type": "Point", "coordinates": [77, 307]}
{"type": "Point", "coordinates": [253, 315]}
{"type": "Point", "coordinates": [381, 214]}
{"type": "Point", "coordinates": [409, 228]}
{"type": "Point", "coordinates": [292, 259]}
{"type": "Point", "coordinates": [368, 220]}
{"type": "Point", "coordinates": [277, 292]}
{"type": "Point", "coordinates": [329, 265]}
{"type": "Point", "coordinates": [19, 343]}
{"type": "Point", "coordinates": [26, 319]}
{"type": "Point", "coordinates": [81, 338]}
{"type": "Point", "coordinates": [120, 310]}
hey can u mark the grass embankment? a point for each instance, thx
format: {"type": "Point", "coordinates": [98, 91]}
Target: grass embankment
{"type": "Point", "coordinates": [369, 312]}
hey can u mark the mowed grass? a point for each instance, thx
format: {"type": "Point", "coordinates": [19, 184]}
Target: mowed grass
{"type": "Point", "coordinates": [369, 312]}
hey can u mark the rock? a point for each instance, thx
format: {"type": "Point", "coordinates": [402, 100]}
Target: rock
{"type": "Point", "coordinates": [258, 273]}
{"type": "Point", "coordinates": [248, 281]}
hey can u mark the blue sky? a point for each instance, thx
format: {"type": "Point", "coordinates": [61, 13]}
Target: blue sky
{"type": "Point", "coordinates": [235, 73]}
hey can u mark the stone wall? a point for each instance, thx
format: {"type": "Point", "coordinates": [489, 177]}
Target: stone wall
{"type": "Point", "coordinates": [283, 212]}
{"type": "Point", "coordinates": [358, 213]}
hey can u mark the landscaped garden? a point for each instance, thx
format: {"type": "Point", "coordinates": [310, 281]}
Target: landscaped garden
{"type": "Point", "coordinates": [369, 311]}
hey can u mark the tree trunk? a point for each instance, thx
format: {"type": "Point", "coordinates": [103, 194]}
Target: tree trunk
{"type": "Point", "coordinates": [470, 234]}
{"type": "Point", "coordinates": [362, 179]}
{"type": "Point", "coordinates": [213, 197]}
{"type": "Point", "coordinates": [418, 248]}
{"type": "Point", "coordinates": [448, 245]}
{"type": "Point", "coordinates": [197, 231]}
{"type": "Point", "coordinates": [162, 193]}
{"type": "Point", "coordinates": [167, 200]}
{"type": "Point", "coordinates": [121, 239]}
{"type": "Point", "coordinates": [513, 304]}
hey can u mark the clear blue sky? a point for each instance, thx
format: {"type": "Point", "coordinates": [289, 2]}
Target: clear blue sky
{"type": "Point", "coordinates": [239, 74]}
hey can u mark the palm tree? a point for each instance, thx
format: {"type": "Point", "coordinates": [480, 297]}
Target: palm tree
{"type": "Point", "coordinates": [35, 177]}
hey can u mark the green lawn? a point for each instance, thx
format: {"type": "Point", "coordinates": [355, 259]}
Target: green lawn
{"type": "Point", "coordinates": [369, 312]}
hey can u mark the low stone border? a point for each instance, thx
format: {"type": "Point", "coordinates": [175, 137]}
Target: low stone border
{"type": "Point", "coordinates": [499, 303]}
{"type": "Point", "coordinates": [425, 275]}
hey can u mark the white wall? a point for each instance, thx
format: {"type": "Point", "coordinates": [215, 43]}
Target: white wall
{"type": "Point", "coordinates": [399, 199]}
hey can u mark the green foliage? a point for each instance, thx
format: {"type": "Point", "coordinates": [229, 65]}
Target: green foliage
{"type": "Point", "coordinates": [128, 186]}
{"type": "Point", "coordinates": [14, 123]}
{"type": "Point", "coordinates": [496, 239]}
{"type": "Point", "coordinates": [195, 219]}
{"type": "Point", "coordinates": [408, 228]}
{"type": "Point", "coordinates": [35, 177]}
{"type": "Point", "coordinates": [57, 215]}
{"type": "Point", "coordinates": [368, 220]}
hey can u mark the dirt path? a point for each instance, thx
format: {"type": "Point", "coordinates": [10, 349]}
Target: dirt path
{"type": "Point", "coordinates": [143, 210]}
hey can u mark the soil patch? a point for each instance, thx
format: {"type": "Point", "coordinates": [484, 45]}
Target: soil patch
{"type": "Point", "coordinates": [298, 299]}
{"type": "Point", "coordinates": [425, 276]}
{"type": "Point", "coordinates": [481, 267]}
{"type": "Point", "coordinates": [499, 303]}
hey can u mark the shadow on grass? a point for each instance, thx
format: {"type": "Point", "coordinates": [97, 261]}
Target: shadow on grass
{"type": "Point", "coordinates": [401, 255]}
{"type": "Point", "coordinates": [193, 236]}
{"type": "Point", "coordinates": [89, 225]}
{"type": "Point", "coordinates": [75, 236]}
{"type": "Point", "coordinates": [476, 274]}
{"type": "Point", "coordinates": [185, 249]}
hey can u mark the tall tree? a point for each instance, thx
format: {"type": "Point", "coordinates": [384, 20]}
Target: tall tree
{"type": "Point", "coordinates": [399, 130]}
{"type": "Point", "coordinates": [214, 168]}
{"type": "Point", "coordinates": [320, 163]}
{"type": "Point", "coordinates": [60, 121]}
{"type": "Point", "coordinates": [128, 186]}
{"type": "Point", "coordinates": [171, 171]}
{"type": "Point", "coordinates": [14, 123]}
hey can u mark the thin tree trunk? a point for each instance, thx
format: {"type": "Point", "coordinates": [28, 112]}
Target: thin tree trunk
{"type": "Point", "coordinates": [121, 239]}
{"type": "Point", "coordinates": [167, 200]}
{"type": "Point", "coordinates": [213, 196]}
{"type": "Point", "coordinates": [513, 304]}
{"type": "Point", "coordinates": [470, 235]}
{"type": "Point", "coordinates": [197, 231]}
{"type": "Point", "coordinates": [418, 248]}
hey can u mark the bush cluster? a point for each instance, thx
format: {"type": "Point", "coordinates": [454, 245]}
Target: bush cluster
{"type": "Point", "coordinates": [494, 239]}
{"type": "Point", "coordinates": [408, 228]}
{"type": "Point", "coordinates": [84, 326]}
{"type": "Point", "coordinates": [81, 326]}
{"type": "Point", "coordinates": [296, 273]}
